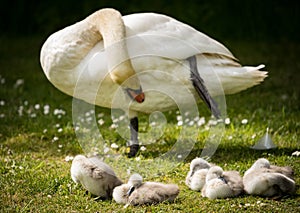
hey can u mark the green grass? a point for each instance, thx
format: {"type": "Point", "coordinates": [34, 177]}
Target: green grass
{"type": "Point", "coordinates": [34, 176]}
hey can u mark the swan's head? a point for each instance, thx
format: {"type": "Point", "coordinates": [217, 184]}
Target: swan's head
{"type": "Point", "coordinates": [125, 76]}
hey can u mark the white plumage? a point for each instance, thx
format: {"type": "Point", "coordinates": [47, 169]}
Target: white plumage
{"type": "Point", "coordinates": [94, 175]}
{"type": "Point", "coordinates": [83, 56]}
{"type": "Point", "coordinates": [196, 177]}
{"type": "Point", "coordinates": [220, 184]}
{"type": "Point", "coordinates": [268, 180]}
{"type": "Point", "coordinates": [153, 59]}
{"type": "Point", "coordinates": [135, 192]}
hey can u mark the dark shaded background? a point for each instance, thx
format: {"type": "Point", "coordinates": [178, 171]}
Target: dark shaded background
{"type": "Point", "coordinates": [234, 19]}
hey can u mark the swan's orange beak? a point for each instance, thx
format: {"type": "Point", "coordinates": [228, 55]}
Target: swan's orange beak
{"type": "Point", "coordinates": [140, 98]}
{"type": "Point", "coordinates": [137, 95]}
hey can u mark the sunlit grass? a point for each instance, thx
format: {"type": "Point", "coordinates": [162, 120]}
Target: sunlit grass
{"type": "Point", "coordinates": [37, 134]}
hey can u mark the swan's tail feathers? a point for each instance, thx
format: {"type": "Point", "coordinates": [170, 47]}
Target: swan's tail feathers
{"type": "Point", "coordinates": [240, 78]}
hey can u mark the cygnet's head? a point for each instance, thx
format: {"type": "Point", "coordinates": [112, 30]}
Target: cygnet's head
{"type": "Point", "coordinates": [261, 163]}
{"type": "Point", "coordinates": [76, 168]}
{"type": "Point", "coordinates": [135, 180]}
{"type": "Point", "coordinates": [199, 163]}
{"type": "Point", "coordinates": [214, 172]}
{"type": "Point", "coordinates": [79, 158]}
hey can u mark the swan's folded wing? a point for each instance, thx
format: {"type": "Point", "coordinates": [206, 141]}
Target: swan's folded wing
{"type": "Point", "coordinates": [158, 34]}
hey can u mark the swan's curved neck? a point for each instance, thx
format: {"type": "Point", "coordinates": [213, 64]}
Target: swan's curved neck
{"type": "Point", "coordinates": [110, 25]}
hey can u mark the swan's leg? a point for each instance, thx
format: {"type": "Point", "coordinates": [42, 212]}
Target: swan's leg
{"type": "Point", "coordinates": [133, 143]}
{"type": "Point", "coordinates": [201, 89]}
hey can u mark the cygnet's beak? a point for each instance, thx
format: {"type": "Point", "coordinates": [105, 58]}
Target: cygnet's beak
{"type": "Point", "coordinates": [131, 189]}
{"type": "Point", "coordinates": [223, 179]}
{"type": "Point", "coordinates": [137, 95]}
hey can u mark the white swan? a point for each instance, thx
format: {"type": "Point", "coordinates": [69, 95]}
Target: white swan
{"type": "Point", "coordinates": [220, 184]}
{"type": "Point", "coordinates": [135, 192]}
{"type": "Point", "coordinates": [196, 177]}
{"type": "Point", "coordinates": [148, 52]}
{"type": "Point", "coordinates": [268, 180]}
{"type": "Point", "coordinates": [94, 175]}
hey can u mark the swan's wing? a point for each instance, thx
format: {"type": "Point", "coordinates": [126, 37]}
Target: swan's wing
{"type": "Point", "coordinates": [157, 34]}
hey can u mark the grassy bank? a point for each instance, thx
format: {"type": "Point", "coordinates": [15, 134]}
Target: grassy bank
{"type": "Point", "coordinates": [36, 135]}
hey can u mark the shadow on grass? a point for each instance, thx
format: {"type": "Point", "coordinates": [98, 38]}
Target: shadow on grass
{"type": "Point", "coordinates": [68, 144]}
{"type": "Point", "coordinates": [230, 154]}
{"type": "Point", "coordinates": [40, 144]}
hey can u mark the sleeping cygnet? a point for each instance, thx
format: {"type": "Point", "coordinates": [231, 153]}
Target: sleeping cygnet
{"type": "Point", "coordinates": [95, 176]}
{"type": "Point", "coordinates": [195, 178]}
{"type": "Point", "coordinates": [220, 184]}
{"type": "Point", "coordinates": [268, 180]}
{"type": "Point", "coordinates": [135, 192]}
